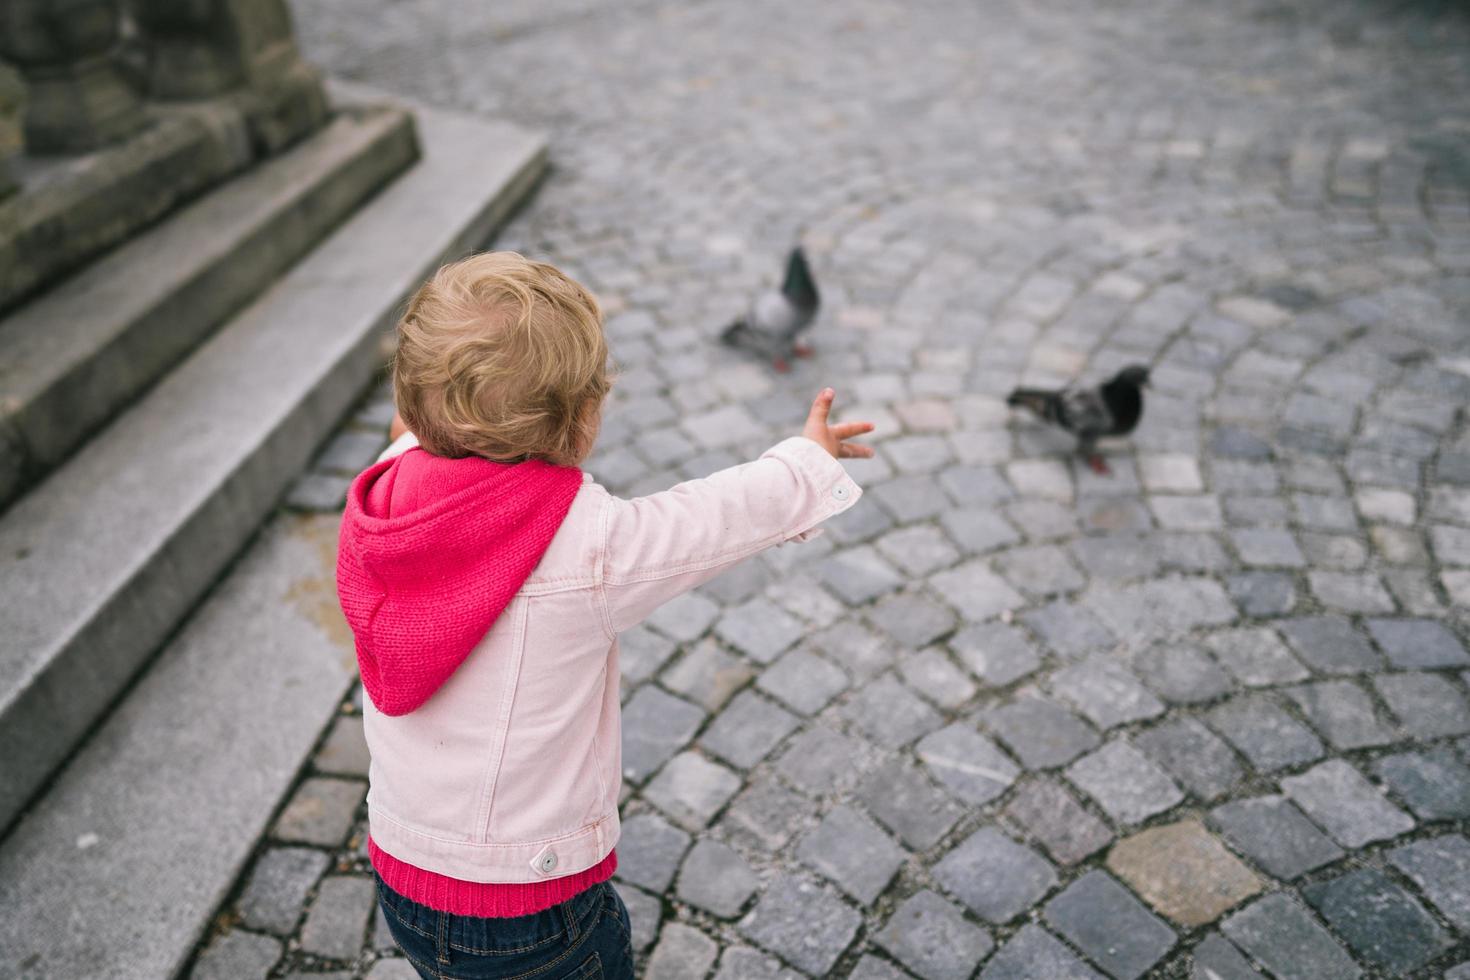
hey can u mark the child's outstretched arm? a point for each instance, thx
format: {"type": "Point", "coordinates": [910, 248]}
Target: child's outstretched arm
{"type": "Point", "coordinates": [659, 546]}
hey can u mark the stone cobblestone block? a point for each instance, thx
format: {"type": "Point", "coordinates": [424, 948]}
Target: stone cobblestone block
{"type": "Point", "coordinates": [917, 551]}
{"type": "Point", "coordinates": [889, 713]}
{"type": "Point", "coordinates": [1265, 734]}
{"type": "Point", "coordinates": [967, 763]}
{"type": "Point", "coordinates": [345, 751]}
{"type": "Point", "coordinates": [1350, 592]}
{"type": "Point", "coordinates": [1275, 835]}
{"type": "Point", "coordinates": [801, 923]}
{"type": "Point", "coordinates": [910, 498]}
{"type": "Point", "coordinates": [1416, 644]}
{"type": "Point", "coordinates": [912, 620]}
{"type": "Point", "coordinates": [1106, 693]}
{"type": "Point", "coordinates": [1216, 959]}
{"type": "Point", "coordinates": [1267, 548]}
{"type": "Point", "coordinates": [237, 955]}
{"type": "Point", "coordinates": [319, 491]}
{"type": "Point", "coordinates": [338, 918]}
{"type": "Point", "coordinates": [707, 675]}
{"type": "Point", "coordinates": [744, 963]}
{"type": "Point", "coordinates": [1283, 937]}
{"type": "Point", "coordinates": [1426, 705]}
{"type": "Point", "coordinates": [1170, 473]}
{"type": "Point", "coordinates": [767, 814]}
{"type": "Point", "coordinates": [1110, 925]}
{"type": "Point", "coordinates": [1342, 713]}
{"type": "Point", "coordinates": [684, 618]}
{"type": "Point", "coordinates": [351, 451]}
{"type": "Point", "coordinates": [820, 760]}
{"type": "Point", "coordinates": [901, 799]}
{"type": "Point", "coordinates": [996, 653]}
{"type": "Point", "coordinates": [859, 575]}
{"type": "Point", "coordinates": [1434, 784]}
{"type": "Point", "coordinates": [641, 652]}
{"type": "Point", "coordinates": [803, 681]}
{"type": "Point", "coordinates": [1123, 781]}
{"type": "Point", "coordinates": [1042, 520]}
{"type": "Point", "coordinates": [996, 877]}
{"type": "Point", "coordinates": [1345, 804]}
{"type": "Point", "coordinates": [1380, 921]}
{"type": "Point", "coordinates": [975, 531]}
{"type": "Point", "coordinates": [1194, 512]}
{"type": "Point", "coordinates": [1069, 629]}
{"type": "Point", "coordinates": [869, 967]}
{"type": "Point", "coordinates": [746, 730]}
{"type": "Point", "coordinates": [931, 937]}
{"type": "Point", "coordinates": [1033, 952]}
{"type": "Point", "coordinates": [759, 629]}
{"type": "Point", "coordinates": [392, 969]}
{"type": "Point", "coordinates": [1041, 478]}
{"type": "Point", "coordinates": [682, 952]}
{"type": "Point", "coordinates": [1041, 733]}
{"type": "Point", "coordinates": [321, 812]}
{"type": "Point", "coordinates": [1192, 754]}
{"type": "Point", "coordinates": [1263, 593]}
{"type": "Point", "coordinates": [1044, 811]}
{"type": "Point", "coordinates": [1161, 608]}
{"type": "Point", "coordinates": [1181, 673]}
{"type": "Point", "coordinates": [1330, 645]}
{"type": "Point", "coordinates": [853, 852]}
{"type": "Point", "coordinates": [1183, 872]}
{"type": "Point", "coordinates": [1256, 656]}
{"type": "Point", "coordinates": [691, 789]}
{"type": "Point", "coordinates": [276, 892]}
{"type": "Point", "coordinates": [715, 878]}
{"type": "Point", "coordinates": [649, 851]}
{"type": "Point", "coordinates": [1039, 570]}
{"type": "Point", "coordinates": [1440, 866]}
{"type": "Point", "coordinates": [976, 592]}
{"type": "Point", "coordinates": [655, 726]}
{"type": "Point", "coordinates": [935, 676]}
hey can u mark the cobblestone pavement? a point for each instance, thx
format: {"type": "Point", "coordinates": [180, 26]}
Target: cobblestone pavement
{"type": "Point", "coordinates": [1006, 719]}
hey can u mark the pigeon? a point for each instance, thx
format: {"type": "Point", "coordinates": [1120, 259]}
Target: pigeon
{"type": "Point", "coordinates": [1111, 409]}
{"type": "Point", "coordinates": [771, 326]}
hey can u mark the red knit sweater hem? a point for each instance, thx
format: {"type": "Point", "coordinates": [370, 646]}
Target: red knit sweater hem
{"type": "Point", "coordinates": [487, 900]}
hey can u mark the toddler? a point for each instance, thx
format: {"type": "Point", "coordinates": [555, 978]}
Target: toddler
{"type": "Point", "coordinates": [486, 580]}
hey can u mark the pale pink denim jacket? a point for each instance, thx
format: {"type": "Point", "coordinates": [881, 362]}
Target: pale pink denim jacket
{"type": "Point", "coordinates": [511, 771]}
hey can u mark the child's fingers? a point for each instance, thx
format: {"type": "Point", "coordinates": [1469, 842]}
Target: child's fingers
{"type": "Point", "coordinates": [846, 430]}
{"type": "Point", "coordinates": [821, 408]}
{"type": "Point", "coordinates": [851, 450]}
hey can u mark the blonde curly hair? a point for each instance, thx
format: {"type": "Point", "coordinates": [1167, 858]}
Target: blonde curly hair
{"type": "Point", "coordinates": [504, 358]}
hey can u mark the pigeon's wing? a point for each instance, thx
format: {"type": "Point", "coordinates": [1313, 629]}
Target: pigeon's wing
{"type": "Point", "coordinates": [742, 336]}
{"type": "Point", "coordinates": [1084, 412]}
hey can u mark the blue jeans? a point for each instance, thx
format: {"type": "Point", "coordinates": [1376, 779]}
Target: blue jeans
{"type": "Point", "coordinates": [583, 938]}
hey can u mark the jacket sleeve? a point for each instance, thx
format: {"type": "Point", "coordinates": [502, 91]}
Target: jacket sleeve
{"type": "Point", "coordinates": [659, 546]}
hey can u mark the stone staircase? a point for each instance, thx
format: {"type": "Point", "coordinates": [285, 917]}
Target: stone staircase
{"type": "Point", "coordinates": [170, 646]}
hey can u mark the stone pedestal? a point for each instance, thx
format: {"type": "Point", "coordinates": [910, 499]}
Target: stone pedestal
{"type": "Point", "coordinates": [76, 98]}
{"type": "Point", "coordinates": [204, 48]}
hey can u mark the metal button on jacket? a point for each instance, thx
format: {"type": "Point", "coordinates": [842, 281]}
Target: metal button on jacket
{"type": "Point", "coordinates": [841, 492]}
{"type": "Point", "coordinates": [547, 862]}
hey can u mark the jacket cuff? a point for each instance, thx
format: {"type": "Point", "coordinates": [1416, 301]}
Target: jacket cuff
{"type": "Point", "coordinates": [835, 490]}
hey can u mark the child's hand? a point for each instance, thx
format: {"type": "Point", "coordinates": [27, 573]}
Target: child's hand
{"type": "Point", "coordinates": [830, 437]}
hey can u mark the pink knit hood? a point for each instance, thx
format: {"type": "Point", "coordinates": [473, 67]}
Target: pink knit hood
{"type": "Point", "coordinates": [431, 552]}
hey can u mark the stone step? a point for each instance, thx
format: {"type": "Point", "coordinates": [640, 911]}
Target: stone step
{"type": "Point", "coordinates": [102, 560]}
{"type": "Point", "coordinates": [117, 870]}
{"type": "Point", "coordinates": [79, 353]}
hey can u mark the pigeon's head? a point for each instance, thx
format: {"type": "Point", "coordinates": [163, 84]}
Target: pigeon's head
{"type": "Point", "coordinates": [1134, 374]}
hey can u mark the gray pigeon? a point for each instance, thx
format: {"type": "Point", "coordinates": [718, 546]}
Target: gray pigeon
{"type": "Point", "coordinates": [777, 317]}
{"type": "Point", "coordinates": [1111, 409]}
